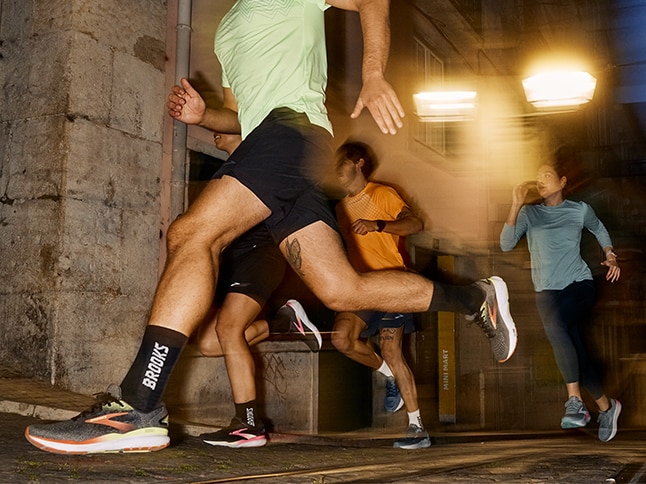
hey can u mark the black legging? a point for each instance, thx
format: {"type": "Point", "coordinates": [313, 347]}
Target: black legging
{"type": "Point", "coordinates": [564, 314]}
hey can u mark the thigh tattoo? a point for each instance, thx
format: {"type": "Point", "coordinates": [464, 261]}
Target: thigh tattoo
{"type": "Point", "coordinates": [294, 254]}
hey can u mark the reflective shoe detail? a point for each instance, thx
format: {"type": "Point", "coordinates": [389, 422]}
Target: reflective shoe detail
{"type": "Point", "coordinates": [576, 414]}
{"type": "Point", "coordinates": [237, 435]}
{"type": "Point", "coordinates": [608, 421]}
{"type": "Point", "coordinates": [393, 400]}
{"type": "Point", "coordinates": [111, 425]}
{"type": "Point", "coordinates": [416, 438]}
{"type": "Point", "coordinates": [495, 319]}
{"type": "Point", "coordinates": [301, 325]}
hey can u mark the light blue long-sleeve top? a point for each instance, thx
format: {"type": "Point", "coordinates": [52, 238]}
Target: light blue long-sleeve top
{"type": "Point", "coordinates": [554, 241]}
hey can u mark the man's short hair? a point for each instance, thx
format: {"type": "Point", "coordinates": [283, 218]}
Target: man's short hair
{"type": "Point", "coordinates": [356, 150]}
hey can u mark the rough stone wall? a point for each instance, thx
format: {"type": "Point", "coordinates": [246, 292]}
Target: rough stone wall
{"type": "Point", "coordinates": [80, 165]}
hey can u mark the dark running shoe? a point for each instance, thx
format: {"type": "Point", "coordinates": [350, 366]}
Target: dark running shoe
{"type": "Point", "coordinates": [576, 414]}
{"type": "Point", "coordinates": [237, 435]}
{"type": "Point", "coordinates": [608, 421]}
{"type": "Point", "coordinates": [393, 400]}
{"type": "Point", "coordinates": [416, 438]}
{"type": "Point", "coordinates": [111, 425]}
{"type": "Point", "coordinates": [495, 319]}
{"type": "Point", "coordinates": [300, 324]}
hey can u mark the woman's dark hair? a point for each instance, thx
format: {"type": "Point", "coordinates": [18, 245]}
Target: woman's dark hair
{"type": "Point", "coordinates": [354, 151]}
{"type": "Point", "coordinates": [565, 162]}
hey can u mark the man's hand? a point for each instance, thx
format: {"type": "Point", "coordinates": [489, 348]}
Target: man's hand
{"type": "Point", "coordinates": [185, 104]}
{"type": "Point", "coordinates": [363, 227]}
{"type": "Point", "coordinates": [381, 100]}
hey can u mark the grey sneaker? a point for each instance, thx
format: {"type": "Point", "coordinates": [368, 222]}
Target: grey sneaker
{"type": "Point", "coordinates": [608, 421]}
{"type": "Point", "coordinates": [576, 414]}
{"type": "Point", "coordinates": [495, 319]}
{"type": "Point", "coordinates": [111, 425]}
{"type": "Point", "coordinates": [393, 400]}
{"type": "Point", "coordinates": [416, 438]}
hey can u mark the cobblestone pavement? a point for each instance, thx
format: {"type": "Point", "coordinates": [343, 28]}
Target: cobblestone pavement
{"type": "Point", "coordinates": [563, 458]}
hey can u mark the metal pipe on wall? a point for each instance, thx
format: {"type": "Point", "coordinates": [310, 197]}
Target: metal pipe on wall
{"type": "Point", "coordinates": [182, 65]}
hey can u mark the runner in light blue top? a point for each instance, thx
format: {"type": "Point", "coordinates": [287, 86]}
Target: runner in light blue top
{"type": "Point", "coordinates": [565, 290]}
{"type": "Point", "coordinates": [554, 240]}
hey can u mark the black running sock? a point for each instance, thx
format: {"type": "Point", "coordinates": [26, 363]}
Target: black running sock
{"type": "Point", "coordinates": [146, 380]}
{"type": "Point", "coordinates": [456, 299]}
{"type": "Point", "coordinates": [247, 412]}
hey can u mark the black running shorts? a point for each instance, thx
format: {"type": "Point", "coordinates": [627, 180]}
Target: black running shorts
{"type": "Point", "coordinates": [281, 162]}
{"type": "Point", "coordinates": [252, 265]}
{"type": "Point", "coordinates": [375, 320]}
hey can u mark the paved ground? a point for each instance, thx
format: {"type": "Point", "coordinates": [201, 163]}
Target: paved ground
{"type": "Point", "coordinates": [559, 457]}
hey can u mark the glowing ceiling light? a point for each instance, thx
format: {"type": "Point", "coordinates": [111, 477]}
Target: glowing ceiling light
{"type": "Point", "coordinates": [560, 89]}
{"type": "Point", "coordinates": [445, 106]}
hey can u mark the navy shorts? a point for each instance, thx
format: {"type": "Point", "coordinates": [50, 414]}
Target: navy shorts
{"type": "Point", "coordinates": [282, 162]}
{"type": "Point", "coordinates": [376, 320]}
{"type": "Point", "coordinates": [252, 265]}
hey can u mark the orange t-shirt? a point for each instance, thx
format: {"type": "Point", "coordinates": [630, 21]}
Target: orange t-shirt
{"type": "Point", "coordinates": [375, 250]}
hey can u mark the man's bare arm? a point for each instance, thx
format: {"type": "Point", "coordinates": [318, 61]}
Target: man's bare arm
{"type": "Point", "coordinates": [186, 105]}
{"type": "Point", "coordinates": [376, 93]}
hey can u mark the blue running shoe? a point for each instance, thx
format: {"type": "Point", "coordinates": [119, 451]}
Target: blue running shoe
{"type": "Point", "coordinates": [416, 438]}
{"type": "Point", "coordinates": [608, 421]}
{"type": "Point", "coordinates": [393, 400]}
{"type": "Point", "coordinates": [576, 414]}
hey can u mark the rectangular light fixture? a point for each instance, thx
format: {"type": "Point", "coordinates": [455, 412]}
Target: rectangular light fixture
{"type": "Point", "coordinates": [560, 89]}
{"type": "Point", "coordinates": [445, 106]}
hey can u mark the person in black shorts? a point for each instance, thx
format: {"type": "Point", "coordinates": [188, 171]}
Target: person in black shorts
{"type": "Point", "coordinates": [251, 268]}
{"type": "Point", "coordinates": [274, 68]}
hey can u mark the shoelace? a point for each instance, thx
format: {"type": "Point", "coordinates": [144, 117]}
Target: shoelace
{"type": "Point", "coordinates": [102, 399]}
{"type": "Point", "coordinates": [391, 389]}
{"type": "Point", "coordinates": [483, 321]}
{"type": "Point", "coordinates": [572, 406]}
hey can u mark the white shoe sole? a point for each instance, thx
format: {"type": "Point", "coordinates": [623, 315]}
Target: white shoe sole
{"type": "Point", "coordinates": [502, 298]}
{"type": "Point", "coordinates": [302, 317]}
{"type": "Point", "coordinates": [113, 443]}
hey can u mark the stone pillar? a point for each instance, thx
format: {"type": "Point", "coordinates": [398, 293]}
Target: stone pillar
{"type": "Point", "coordinates": [80, 165]}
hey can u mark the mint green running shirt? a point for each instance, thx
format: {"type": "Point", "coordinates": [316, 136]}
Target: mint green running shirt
{"type": "Point", "coordinates": [273, 55]}
{"type": "Point", "coordinates": [554, 241]}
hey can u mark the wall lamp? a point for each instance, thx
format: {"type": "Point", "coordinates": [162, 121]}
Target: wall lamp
{"type": "Point", "coordinates": [445, 106]}
{"type": "Point", "coordinates": [549, 92]}
{"type": "Point", "coordinates": [559, 90]}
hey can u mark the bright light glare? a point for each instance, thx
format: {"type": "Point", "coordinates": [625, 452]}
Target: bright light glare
{"type": "Point", "coordinates": [437, 106]}
{"type": "Point", "coordinates": [559, 89]}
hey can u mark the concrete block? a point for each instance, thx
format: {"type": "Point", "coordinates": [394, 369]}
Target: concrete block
{"type": "Point", "coordinates": [138, 95]}
{"type": "Point", "coordinates": [29, 246]}
{"type": "Point", "coordinates": [90, 66]}
{"type": "Point", "coordinates": [33, 159]}
{"type": "Point", "coordinates": [25, 336]}
{"type": "Point", "coordinates": [109, 166]}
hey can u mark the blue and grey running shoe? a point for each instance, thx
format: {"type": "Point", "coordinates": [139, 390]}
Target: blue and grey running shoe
{"type": "Point", "coordinates": [576, 414]}
{"type": "Point", "coordinates": [608, 421]}
{"type": "Point", "coordinates": [111, 425]}
{"type": "Point", "coordinates": [416, 438]}
{"type": "Point", "coordinates": [393, 400]}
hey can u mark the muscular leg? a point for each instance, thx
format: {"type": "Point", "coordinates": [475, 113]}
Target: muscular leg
{"type": "Point", "coordinates": [224, 210]}
{"type": "Point", "coordinates": [316, 253]}
{"type": "Point", "coordinates": [208, 342]}
{"type": "Point", "coordinates": [345, 338]}
{"type": "Point", "coordinates": [390, 342]}
{"type": "Point", "coordinates": [236, 314]}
